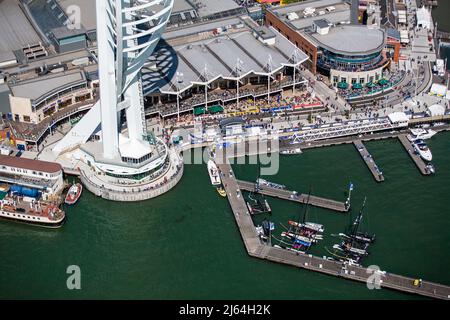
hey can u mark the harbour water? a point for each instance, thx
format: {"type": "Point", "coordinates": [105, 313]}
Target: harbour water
{"type": "Point", "coordinates": [186, 245]}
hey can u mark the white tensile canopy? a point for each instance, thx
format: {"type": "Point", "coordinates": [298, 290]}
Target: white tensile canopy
{"type": "Point", "coordinates": [436, 110]}
{"type": "Point", "coordinates": [438, 90]}
{"type": "Point", "coordinates": [398, 117]}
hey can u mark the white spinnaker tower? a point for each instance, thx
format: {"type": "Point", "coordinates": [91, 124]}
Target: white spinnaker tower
{"type": "Point", "coordinates": [127, 33]}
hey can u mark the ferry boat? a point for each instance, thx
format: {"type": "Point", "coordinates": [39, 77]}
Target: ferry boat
{"type": "Point", "coordinates": [31, 211]}
{"type": "Point", "coordinates": [73, 194]}
{"type": "Point", "coordinates": [420, 133]}
{"type": "Point", "coordinates": [422, 149]}
{"type": "Point", "coordinates": [263, 182]}
{"type": "Point", "coordinates": [213, 173]}
{"type": "Point", "coordinates": [291, 151]}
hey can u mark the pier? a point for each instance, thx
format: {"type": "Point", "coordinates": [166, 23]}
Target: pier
{"type": "Point", "coordinates": [368, 159]}
{"type": "Point", "coordinates": [257, 249]}
{"type": "Point", "coordinates": [420, 164]}
{"type": "Point", "coordinates": [294, 196]}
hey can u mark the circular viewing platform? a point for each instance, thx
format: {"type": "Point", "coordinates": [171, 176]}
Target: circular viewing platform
{"type": "Point", "coordinates": [118, 189]}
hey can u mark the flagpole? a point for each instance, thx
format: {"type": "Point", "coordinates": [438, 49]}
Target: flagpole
{"type": "Point", "coordinates": [347, 202]}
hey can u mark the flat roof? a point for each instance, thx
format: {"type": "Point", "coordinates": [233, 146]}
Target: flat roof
{"type": "Point", "coordinates": [340, 13]}
{"type": "Point", "coordinates": [197, 28]}
{"type": "Point", "coordinates": [49, 60]}
{"type": "Point", "coordinates": [16, 30]}
{"type": "Point", "coordinates": [64, 32]}
{"type": "Point", "coordinates": [39, 87]}
{"type": "Point", "coordinates": [181, 6]}
{"type": "Point", "coordinates": [351, 39]}
{"type": "Point", "coordinates": [207, 8]}
{"type": "Point", "coordinates": [30, 164]}
{"type": "Point", "coordinates": [4, 98]}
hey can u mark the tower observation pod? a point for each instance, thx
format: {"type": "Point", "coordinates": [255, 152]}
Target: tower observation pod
{"type": "Point", "coordinates": [122, 161]}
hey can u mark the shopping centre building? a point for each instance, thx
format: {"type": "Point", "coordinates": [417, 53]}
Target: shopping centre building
{"type": "Point", "coordinates": [345, 52]}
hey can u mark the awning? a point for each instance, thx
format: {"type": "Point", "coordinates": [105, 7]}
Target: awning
{"type": "Point", "coordinates": [215, 109]}
{"type": "Point", "coordinates": [198, 111]}
{"type": "Point", "coordinates": [370, 84]}
{"type": "Point", "coordinates": [383, 81]}
{"type": "Point", "coordinates": [342, 85]}
{"type": "Point", "coordinates": [357, 85]}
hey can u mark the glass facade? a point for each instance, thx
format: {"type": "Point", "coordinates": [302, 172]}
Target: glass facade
{"type": "Point", "coordinates": [329, 60]}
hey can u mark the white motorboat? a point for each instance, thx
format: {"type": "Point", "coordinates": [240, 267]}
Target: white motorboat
{"type": "Point", "coordinates": [420, 133]}
{"type": "Point", "coordinates": [213, 173]}
{"type": "Point", "coordinates": [291, 151]}
{"type": "Point", "coordinates": [422, 149]}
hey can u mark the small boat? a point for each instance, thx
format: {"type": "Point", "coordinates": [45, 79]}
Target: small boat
{"type": "Point", "coordinates": [74, 193]}
{"type": "Point", "coordinates": [430, 168]}
{"type": "Point", "coordinates": [422, 149]}
{"type": "Point", "coordinates": [348, 248]}
{"type": "Point", "coordinates": [420, 133]}
{"type": "Point", "coordinates": [213, 173]}
{"type": "Point", "coordinates": [291, 151]}
{"type": "Point", "coordinates": [221, 191]}
{"type": "Point", "coordinates": [359, 237]}
{"type": "Point", "coordinates": [308, 225]}
{"type": "Point", "coordinates": [263, 182]}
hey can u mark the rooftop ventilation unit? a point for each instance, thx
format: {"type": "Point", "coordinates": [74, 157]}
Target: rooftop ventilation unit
{"type": "Point", "coordinates": [309, 11]}
{"type": "Point", "coordinates": [292, 16]}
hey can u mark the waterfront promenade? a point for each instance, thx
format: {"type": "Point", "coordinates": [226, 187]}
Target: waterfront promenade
{"type": "Point", "coordinates": [258, 249]}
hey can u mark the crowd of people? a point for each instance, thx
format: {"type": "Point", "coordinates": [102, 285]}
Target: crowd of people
{"type": "Point", "coordinates": [221, 96]}
{"type": "Point", "coordinates": [246, 107]}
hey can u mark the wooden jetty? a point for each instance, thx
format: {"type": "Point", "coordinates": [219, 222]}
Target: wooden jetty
{"type": "Point", "coordinates": [415, 157]}
{"type": "Point", "coordinates": [256, 248]}
{"type": "Point", "coordinates": [293, 196]}
{"type": "Point", "coordinates": [368, 159]}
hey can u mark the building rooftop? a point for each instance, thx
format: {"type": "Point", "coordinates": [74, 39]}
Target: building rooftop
{"type": "Point", "coordinates": [16, 30]}
{"type": "Point", "coordinates": [64, 32]}
{"type": "Point", "coordinates": [341, 12]}
{"type": "Point", "coordinates": [322, 23]}
{"type": "Point", "coordinates": [40, 87]}
{"type": "Point", "coordinates": [206, 8]}
{"type": "Point", "coordinates": [179, 63]}
{"type": "Point", "coordinates": [4, 98]}
{"type": "Point", "coordinates": [30, 164]}
{"type": "Point", "coordinates": [351, 39]}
